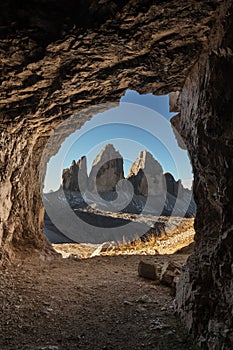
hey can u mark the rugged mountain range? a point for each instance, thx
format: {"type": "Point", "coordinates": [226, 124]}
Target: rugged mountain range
{"type": "Point", "coordinates": [106, 198]}
{"type": "Point", "coordinates": [146, 176]}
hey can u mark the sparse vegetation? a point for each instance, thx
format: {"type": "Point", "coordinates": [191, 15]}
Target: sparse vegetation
{"type": "Point", "coordinates": [152, 243]}
{"type": "Point", "coordinates": [175, 236]}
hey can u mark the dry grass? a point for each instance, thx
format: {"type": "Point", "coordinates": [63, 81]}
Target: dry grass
{"type": "Point", "coordinates": [139, 245]}
{"type": "Point", "coordinates": [150, 245]}
{"type": "Point", "coordinates": [175, 236]}
{"type": "Point", "coordinates": [183, 226]}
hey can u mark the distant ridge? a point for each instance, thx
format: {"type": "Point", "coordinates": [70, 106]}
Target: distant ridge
{"type": "Point", "coordinates": [107, 170]}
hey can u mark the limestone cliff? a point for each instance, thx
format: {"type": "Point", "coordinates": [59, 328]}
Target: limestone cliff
{"type": "Point", "coordinates": [146, 175]}
{"type": "Point", "coordinates": [162, 193]}
{"type": "Point", "coordinates": [107, 170]}
{"type": "Point", "coordinates": [75, 178]}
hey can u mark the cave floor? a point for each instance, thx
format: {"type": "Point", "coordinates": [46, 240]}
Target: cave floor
{"type": "Point", "coordinates": [97, 304]}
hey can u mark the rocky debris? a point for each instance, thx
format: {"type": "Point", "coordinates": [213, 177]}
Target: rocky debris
{"type": "Point", "coordinates": [105, 247]}
{"type": "Point", "coordinates": [107, 170]}
{"type": "Point", "coordinates": [178, 240]}
{"type": "Point", "coordinates": [168, 273]}
{"type": "Point", "coordinates": [187, 249]}
{"type": "Point", "coordinates": [60, 207]}
{"type": "Point", "coordinates": [146, 175]}
{"type": "Point", "coordinates": [158, 246]}
{"type": "Point", "coordinates": [76, 251]}
{"type": "Point", "coordinates": [75, 178]}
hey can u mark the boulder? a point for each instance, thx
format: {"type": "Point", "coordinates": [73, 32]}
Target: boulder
{"type": "Point", "coordinates": [168, 273]}
{"type": "Point", "coordinates": [148, 270]}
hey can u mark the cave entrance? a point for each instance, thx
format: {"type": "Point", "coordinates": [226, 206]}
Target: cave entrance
{"type": "Point", "coordinates": [120, 179]}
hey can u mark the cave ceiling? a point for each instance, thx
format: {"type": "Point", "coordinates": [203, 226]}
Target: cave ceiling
{"type": "Point", "coordinates": [57, 58]}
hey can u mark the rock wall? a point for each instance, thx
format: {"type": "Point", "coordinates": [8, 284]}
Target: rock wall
{"type": "Point", "coordinates": [205, 291]}
{"type": "Point", "coordinates": [21, 213]}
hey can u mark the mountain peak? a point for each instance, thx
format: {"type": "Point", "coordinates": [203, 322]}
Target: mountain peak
{"type": "Point", "coordinates": [107, 170]}
{"type": "Point", "coordinates": [107, 153]}
{"type": "Point", "coordinates": [147, 163]}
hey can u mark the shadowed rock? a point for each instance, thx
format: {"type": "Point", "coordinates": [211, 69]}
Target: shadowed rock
{"type": "Point", "coordinates": [75, 178]}
{"type": "Point", "coordinates": [146, 175]}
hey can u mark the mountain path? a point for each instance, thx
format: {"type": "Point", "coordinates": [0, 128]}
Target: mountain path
{"type": "Point", "coordinates": [89, 304]}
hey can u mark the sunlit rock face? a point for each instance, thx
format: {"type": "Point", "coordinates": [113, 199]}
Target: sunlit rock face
{"type": "Point", "coordinates": [58, 58]}
{"type": "Point", "coordinates": [146, 188]}
{"type": "Point", "coordinates": [107, 171]}
{"type": "Point", "coordinates": [146, 175]}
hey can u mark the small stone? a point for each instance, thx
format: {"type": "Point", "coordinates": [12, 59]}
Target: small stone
{"type": "Point", "coordinates": [147, 270]}
{"type": "Point", "coordinates": [144, 300]}
{"type": "Point", "coordinates": [170, 274]}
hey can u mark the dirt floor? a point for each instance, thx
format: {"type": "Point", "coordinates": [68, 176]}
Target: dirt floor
{"type": "Point", "coordinates": [98, 303]}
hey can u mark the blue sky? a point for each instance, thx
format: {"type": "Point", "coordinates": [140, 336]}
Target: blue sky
{"type": "Point", "coordinates": [140, 122]}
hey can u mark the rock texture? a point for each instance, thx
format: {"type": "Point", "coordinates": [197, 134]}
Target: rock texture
{"type": "Point", "coordinates": [173, 187]}
{"type": "Point", "coordinates": [167, 273]}
{"type": "Point", "coordinates": [75, 178]}
{"type": "Point", "coordinates": [166, 196]}
{"type": "Point", "coordinates": [205, 290]}
{"type": "Point", "coordinates": [175, 192]}
{"type": "Point", "coordinates": [58, 58]}
{"type": "Point", "coordinates": [146, 175]}
{"type": "Point", "coordinates": [107, 170]}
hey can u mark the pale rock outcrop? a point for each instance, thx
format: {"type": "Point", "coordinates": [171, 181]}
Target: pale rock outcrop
{"type": "Point", "coordinates": [146, 175]}
{"type": "Point", "coordinates": [107, 170]}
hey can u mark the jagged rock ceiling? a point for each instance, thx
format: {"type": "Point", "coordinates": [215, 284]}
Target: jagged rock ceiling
{"type": "Point", "coordinates": [57, 57]}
